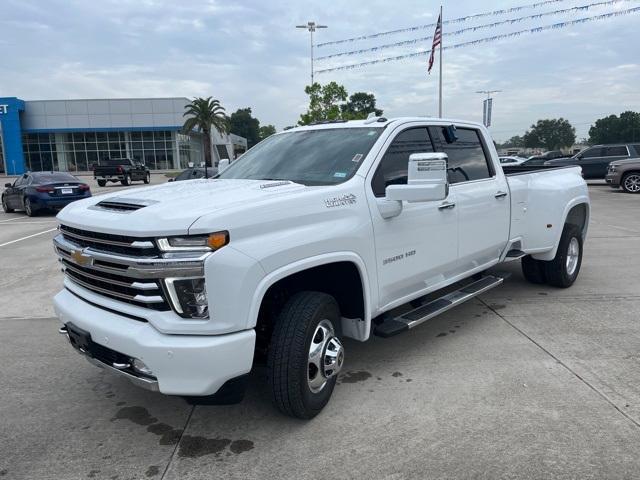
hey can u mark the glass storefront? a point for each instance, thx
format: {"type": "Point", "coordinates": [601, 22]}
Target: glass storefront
{"type": "Point", "coordinates": [76, 152]}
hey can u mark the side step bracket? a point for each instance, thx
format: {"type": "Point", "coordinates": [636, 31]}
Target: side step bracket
{"type": "Point", "coordinates": [393, 326]}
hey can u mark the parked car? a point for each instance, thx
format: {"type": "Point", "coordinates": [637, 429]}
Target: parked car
{"type": "Point", "coordinates": [550, 155]}
{"type": "Point", "coordinates": [512, 160]}
{"type": "Point", "coordinates": [626, 173]}
{"type": "Point", "coordinates": [37, 191]}
{"type": "Point", "coordinates": [277, 260]}
{"type": "Point", "coordinates": [533, 162]}
{"type": "Point", "coordinates": [192, 173]}
{"type": "Point", "coordinates": [123, 170]}
{"type": "Point", "coordinates": [595, 160]}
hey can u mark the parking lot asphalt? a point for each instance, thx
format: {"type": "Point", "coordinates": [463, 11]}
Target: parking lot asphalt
{"type": "Point", "coordinates": [525, 381]}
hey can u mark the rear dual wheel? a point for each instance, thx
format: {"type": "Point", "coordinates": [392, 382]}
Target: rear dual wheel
{"type": "Point", "coordinates": [563, 270]}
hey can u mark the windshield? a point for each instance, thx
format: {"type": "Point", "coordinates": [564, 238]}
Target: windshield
{"type": "Point", "coordinates": [311, 157]}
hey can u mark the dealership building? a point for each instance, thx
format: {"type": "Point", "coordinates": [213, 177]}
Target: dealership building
{"type": "Point", "coordinates": [74, 135]}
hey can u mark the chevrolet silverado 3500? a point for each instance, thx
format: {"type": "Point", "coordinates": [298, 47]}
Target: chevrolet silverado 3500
{"type": "Point", "coordinates": [315, 234]}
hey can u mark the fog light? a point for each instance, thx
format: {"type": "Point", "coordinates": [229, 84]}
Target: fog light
{"type": "Point", "coordinates": [189, 297]}
{"type": "Point", "coordinates": [141, 367]}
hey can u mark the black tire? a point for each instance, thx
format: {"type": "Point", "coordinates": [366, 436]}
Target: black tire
{"type": "Point", "coordinates": [288, 364]}
{"type": "Point", "coordinates": [126, 180]}
{"type": "Point", "coordinates": [28, 208]}
{"type": "Point", "coordinates": [630, 183]}
{"type": "Point", "coordinates": [558, 271]}
{"type": "Point", "coordinates": [147, 178]}
{"type": "Point", "coordinates": [5, 207]}
{"type": "Point", "coordinates": [102, 183]}
{"type": "Point", "coordinates": [533, 270]}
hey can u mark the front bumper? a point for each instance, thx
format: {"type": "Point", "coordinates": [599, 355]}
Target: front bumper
{"type": "Point", "coordinates": [189, 365]}
{"type": "Point", "coordinates": [613, 179]}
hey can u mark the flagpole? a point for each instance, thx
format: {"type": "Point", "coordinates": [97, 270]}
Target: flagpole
{"type": "Point", "coordinates": [440, 89]}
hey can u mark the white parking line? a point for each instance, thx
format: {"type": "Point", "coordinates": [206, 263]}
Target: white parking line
{"type": "Point", "coordinates": [12, 219]}
{"type": "Point", "coordinates": [28, 236]}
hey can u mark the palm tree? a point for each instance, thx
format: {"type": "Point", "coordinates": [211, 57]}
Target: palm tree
{"type": "Point", "coordinates": [204, 115]}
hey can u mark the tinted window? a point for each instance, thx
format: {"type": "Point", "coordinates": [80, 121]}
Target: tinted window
{"type": "Point", "coordinates": [637, 149]}
{"type": "Point", "coordinates": [592, 152]}
{"type": "Point", "coordinates": [53, 177]}
{"type": "Point", "coordinates": [115, 161]}
{"type": "Point", "coordinates": [615, 151]}
{"type": "Point", "coordinates": [326, 156]}
{"type": "Point", "coordinates": [467, 158]}
{"type": "Point", "coordinates": [393, 166]}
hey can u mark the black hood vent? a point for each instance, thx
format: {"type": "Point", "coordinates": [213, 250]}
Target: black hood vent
{"type": "Point", "coordinates": [123, 205]}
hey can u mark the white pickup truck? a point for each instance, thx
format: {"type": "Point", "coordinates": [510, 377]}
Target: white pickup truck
{"type": "Point", "coordinates": [315, 234]}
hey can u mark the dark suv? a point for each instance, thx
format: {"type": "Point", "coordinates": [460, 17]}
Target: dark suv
{"type": "Point", "coordinates": [595, 160]}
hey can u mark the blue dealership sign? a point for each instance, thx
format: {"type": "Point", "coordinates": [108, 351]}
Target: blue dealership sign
{"type": "Point", "coordinates": [11, 131]}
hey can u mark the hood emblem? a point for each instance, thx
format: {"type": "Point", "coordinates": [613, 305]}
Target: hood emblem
{"type": "Point", "coordinates": [81, 258]}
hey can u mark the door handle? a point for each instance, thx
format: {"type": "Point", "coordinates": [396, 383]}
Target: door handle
{"type": "Point", "coordinates": [446, 205]}
{"type": "Point", "coordinates": [500, 194]}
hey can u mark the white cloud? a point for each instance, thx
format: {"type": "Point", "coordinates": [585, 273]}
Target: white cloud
{"type": "Point", "coordinates": [248, 53]}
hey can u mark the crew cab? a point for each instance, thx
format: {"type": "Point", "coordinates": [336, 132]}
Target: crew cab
{"type": "Point", "coordinates": [123, 170]}
{"type": "Point", "coordinates": [313, 235]}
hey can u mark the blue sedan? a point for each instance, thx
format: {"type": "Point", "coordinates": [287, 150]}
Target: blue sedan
{"type": "Point", "coordinates": [35, 191]}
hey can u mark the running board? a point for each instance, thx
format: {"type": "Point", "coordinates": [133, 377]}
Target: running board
{"type": "Point", "coordinates": [415, 317]}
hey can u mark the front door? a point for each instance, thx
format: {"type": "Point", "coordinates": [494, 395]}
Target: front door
{"type": "Point", "coordinates": [482, 198]}
{"type": "Point", "coordinates": [416, 250]}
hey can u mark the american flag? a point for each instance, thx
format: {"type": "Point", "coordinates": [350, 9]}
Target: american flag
{"type": "Point", "coordinates": [437, 40]}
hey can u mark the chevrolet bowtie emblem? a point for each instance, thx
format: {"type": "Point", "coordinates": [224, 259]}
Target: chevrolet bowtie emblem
{"type": "Point", "coordinates": [81, 258]}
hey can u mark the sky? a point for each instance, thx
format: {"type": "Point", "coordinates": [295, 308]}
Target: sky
{"type": "Point", "coordinates": [248, 53]}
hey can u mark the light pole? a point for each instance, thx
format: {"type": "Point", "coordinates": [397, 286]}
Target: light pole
{"type": "Point", "coordinates": [311, 26]}
{"type": "Point", "coordinates": [487, 113]}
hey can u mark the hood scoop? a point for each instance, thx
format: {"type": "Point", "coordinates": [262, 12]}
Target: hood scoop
{"type": "Point", "coordinates": [122, 205]}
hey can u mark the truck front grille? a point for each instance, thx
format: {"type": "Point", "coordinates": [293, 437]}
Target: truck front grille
{"type": "Point", "coordinates": [118, 244]}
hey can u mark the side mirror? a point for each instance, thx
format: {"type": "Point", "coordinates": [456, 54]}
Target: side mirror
{"type": "Point", "coordinates": [426, 180]}
{"type": "Point", "coordinates": [8, 185]}
{"type": "Point", "coordinates": [223, 164]}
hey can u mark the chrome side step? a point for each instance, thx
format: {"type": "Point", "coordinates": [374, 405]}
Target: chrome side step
{"type": "Point", "coordinates": [413, 318]}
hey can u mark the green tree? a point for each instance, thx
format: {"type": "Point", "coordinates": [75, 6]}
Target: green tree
{"type": "Point", "coordinates": [267, 131]}
{"type": "Point", "coordinates": [551, 134]}
{"type": "Point", "coordinates": [205, 115]}
{"type": "Point", "coordinates": [242, 123]}
{"type": "Point", "coordinates": [359, 106]}
{"type": "Point", "coordinates": [325, 102]}
{"type": "Point", "coordinates": [514, 142]}
{"type": "Point", "coordinates": [614, 129]}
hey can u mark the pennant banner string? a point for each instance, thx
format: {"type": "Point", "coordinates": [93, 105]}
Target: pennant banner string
{"type": "Point", "coordinates": [472, 29]}
{"type": "Point", "coordinates": [486, 39]}
{"type": "Point", "coordinates": [454, 20]}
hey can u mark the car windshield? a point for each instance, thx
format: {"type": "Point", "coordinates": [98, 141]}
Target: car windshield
{"type": "Point", "coordinates": [111, 162]}
{"type": "Point", "coordinates": [312, 157]}
{"type": "Point", "coordinates": [53, 177]}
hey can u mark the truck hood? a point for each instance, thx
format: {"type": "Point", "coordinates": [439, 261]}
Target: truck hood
{"type": "Point", "coordinates": [171, 208]}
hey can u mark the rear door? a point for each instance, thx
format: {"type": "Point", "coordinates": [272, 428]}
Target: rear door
{"type": "Point", "coordinates": [481, 196]}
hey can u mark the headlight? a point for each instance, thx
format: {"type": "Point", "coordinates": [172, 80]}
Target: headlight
{"type": "Point", "coordinates": [189, 297]}
{"type": "Point", "coordinates": [194, 243]}
{"type": "Point", "coordinates": [612, 168]}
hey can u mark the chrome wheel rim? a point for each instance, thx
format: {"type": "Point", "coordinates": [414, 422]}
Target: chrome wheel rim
{"type": "Point", "coordinates": [326, 356]}
{"type": "Point", "coordinates": [632, 183]}
{"type": "Point", "coordinates": [573, 253]}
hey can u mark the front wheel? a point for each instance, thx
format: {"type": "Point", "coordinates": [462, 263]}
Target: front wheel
{"type": "Point", "coordinates": [147, 178]}
{"type": "Point", "coordinates": [631, 182]}
{"type": "Point", "coordinates": [563, 270]}
{"type": "Point", "coordinates": [6, 207]}
{"type": "Point", "coordinates": [305, 355]}
{"type": "Point", "coordinates": [102, 183]}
